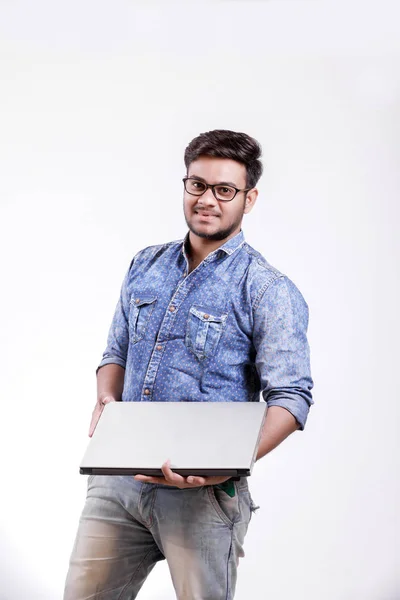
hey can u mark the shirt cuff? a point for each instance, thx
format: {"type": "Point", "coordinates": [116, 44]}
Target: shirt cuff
{"type": "Point", "coordinates": [112, 360]}
{"type": "Point", "coordinates": [297, 406]}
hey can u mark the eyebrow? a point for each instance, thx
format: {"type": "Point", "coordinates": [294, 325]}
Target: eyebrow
{"type": "Point", "coordinates": [219, 183]}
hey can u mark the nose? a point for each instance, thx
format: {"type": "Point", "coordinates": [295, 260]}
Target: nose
{"type": "Point", "coordinates": [207, 199]}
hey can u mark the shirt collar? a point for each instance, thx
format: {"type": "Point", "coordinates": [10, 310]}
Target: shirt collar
{"type": "Point", "coordinates": [229, 247]}
{"type": "Point", "coordinates": [233, 244]}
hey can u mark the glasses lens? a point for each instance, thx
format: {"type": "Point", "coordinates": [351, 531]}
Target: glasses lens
{"type": "Point", "coordinates": [224, 192]}
{"type": "Point", "coordinates": [195, 187]}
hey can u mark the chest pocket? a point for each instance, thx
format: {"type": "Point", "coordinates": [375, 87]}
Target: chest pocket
{"type": "Point", "coordinates": [140, 311]}
{"type": "Point", "coordinates": [203, 331]}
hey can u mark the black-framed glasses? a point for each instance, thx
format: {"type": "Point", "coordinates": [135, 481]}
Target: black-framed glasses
{"type": "Point", "coordinates": [222, 192]}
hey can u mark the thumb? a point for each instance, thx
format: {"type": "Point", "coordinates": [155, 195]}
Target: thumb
{"type": "Point", "coordinates": [107, 400]}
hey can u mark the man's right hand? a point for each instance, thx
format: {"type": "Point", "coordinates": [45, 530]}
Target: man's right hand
{"type": "Point", "coordinates": [98, 409]}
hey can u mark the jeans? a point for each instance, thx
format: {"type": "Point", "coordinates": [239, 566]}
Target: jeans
{"type": "Point", "coordinates": [127, 526]}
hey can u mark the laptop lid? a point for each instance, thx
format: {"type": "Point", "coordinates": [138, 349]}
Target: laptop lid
{"type": "Point", "coordinates": [199, 438]}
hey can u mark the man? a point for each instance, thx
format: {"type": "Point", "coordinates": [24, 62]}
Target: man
{"type": "Point", "coordinates": [203, 320]}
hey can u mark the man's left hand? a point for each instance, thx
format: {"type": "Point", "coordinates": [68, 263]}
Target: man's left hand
{"type": "Point", "coordinates": [171, 478]}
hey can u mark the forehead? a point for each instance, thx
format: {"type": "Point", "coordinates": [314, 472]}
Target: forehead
{"type": "Point", "coordinates": [216, 170]}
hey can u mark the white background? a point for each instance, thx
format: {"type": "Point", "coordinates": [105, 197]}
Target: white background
{"type": "Point", "coordinates": [97, 103]}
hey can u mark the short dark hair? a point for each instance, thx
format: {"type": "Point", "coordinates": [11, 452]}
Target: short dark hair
{"type": "Point", "coordinates": [223, 143]}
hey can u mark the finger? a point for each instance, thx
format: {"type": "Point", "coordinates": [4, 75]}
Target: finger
{"type": "Point", "coordinates": [107, 400]}
{"type": "Point", "coordinates": [170, 476]}
{"type": "Point", "coordinates": [196, 481]}
{"type": "Point", "coordinates": [93, 424]}
{"type": "Point", "coordinates": [95, 419]}
{"type": "Point", "coordinates": [177, 479]}
{"type": "Point", "coordinates": [166, 467]}
{"type": "Point", "coordinates": [149, 479]}
{"type": "Point", "coordinates": [92, 427]}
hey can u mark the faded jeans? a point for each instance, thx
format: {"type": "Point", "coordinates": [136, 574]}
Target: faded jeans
{"type": "Point", "coordinates": [127, 526]}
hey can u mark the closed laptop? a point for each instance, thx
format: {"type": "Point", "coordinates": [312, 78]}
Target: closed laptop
{"type": "Point", "coordinates": [199, 438]}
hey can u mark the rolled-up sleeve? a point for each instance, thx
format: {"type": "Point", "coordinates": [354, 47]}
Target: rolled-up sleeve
{"type": "Point", "coordinates": [118, 335]}
{"type": "Point", "coordinates": [283, 354]}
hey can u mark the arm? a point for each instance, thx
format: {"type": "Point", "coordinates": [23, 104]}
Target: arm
{"type": "Point", "coordinates": [279, 424]}
{"type": "Point", "coordinates": [118, 334]}
{"type": "Point", "coordinates": [110, 384]}
{"type": "Point", "coordinates": [111, 371]}
{"type": "Point", "coordinates": [282, 361]}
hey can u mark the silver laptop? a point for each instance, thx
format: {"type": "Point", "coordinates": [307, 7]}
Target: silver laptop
{"type": "Point", "coordinates": [199, 438]}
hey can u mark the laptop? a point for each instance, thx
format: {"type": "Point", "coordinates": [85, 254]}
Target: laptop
{"type": "Point", "coordinates": [199, 438]}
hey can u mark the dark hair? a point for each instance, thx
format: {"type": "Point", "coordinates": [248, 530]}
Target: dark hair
{"type": "Point", "coordinates": [223, 143]}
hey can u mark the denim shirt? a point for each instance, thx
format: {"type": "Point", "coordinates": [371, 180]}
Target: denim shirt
{"type": "Point", "coordinates": [231, 329]}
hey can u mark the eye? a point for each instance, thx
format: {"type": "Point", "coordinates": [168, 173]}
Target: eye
{"type": "Point", "coordinates": [196, 185]}
{"type": "Point", "coordinates": [225, 191]}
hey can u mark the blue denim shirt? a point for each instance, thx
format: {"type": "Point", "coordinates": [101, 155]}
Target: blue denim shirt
{"type": "Point", "coordinates": [232, 328]}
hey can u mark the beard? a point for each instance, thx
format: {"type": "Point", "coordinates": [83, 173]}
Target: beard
{"type": "Point", "coordinates": [217, 236]}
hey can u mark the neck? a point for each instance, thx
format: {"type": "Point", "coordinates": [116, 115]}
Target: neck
{"type": "Point", "coordinates": [199, 248]}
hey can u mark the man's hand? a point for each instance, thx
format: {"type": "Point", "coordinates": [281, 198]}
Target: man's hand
{"type": "Point", "coordinates": [98, 409]}
{"type": "Point", "coordinates": [171, 478]}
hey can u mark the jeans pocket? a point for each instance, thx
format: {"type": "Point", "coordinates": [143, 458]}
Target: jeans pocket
{"type": "Point", "coordinates": [249, 505]}
{"type": "Point", "coordinates": [227, 508]}
{"type": "Point", "coordinates": [203, 331]}
{"type": "Point", "coordinates": [141, 307]}
{"type": "Point", "coordinates": [253, 507]}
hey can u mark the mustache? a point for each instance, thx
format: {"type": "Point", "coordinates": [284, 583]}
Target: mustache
{"type": "Point", "coordinates": [201, 210]}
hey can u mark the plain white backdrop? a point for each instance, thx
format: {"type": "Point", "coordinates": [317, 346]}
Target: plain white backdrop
{"type": "Point", "coordinates": [97, 103]}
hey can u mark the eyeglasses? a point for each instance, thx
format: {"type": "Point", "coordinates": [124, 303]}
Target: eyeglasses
{"type": "Point", "coordinates": [223, 193]}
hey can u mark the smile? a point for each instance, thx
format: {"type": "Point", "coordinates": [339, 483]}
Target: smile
{"type": "Point", "coordinates": [205, 215]}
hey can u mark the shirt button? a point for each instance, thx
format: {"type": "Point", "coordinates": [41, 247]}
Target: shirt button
{"type": "Point", "coordinates": [172, 308]}
{"type": "Point", "coordinates": [137, 300]}
{"type": "Point", "coordinates": [159, 348]}
{"type": "Point", "coordinates": [146, 392]}
{"type": "Point", "coordinates": [206, 316]}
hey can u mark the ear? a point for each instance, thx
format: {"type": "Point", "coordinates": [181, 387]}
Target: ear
{"type": "Point", "coordinates": [250, 201]}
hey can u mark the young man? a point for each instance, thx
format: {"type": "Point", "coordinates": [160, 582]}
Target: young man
{"type": "Point", "coordinates": [203, 320]}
